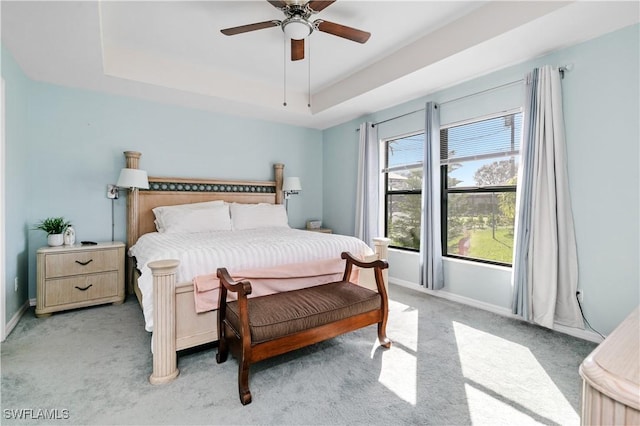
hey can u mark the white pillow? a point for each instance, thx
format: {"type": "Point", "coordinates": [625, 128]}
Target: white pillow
{"type": "Point", "coordinates": [263, 215]}
{"type": "Point", "coordinates": [161, 211]}
{"type": "Point", "coordinates": [215, 218]}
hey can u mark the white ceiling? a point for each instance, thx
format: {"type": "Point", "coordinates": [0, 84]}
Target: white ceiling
{"type": "Point", "coordinates": [173, 52]}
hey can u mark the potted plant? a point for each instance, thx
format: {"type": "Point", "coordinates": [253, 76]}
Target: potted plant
{"type": "Point", "coordinates": [54, 227]}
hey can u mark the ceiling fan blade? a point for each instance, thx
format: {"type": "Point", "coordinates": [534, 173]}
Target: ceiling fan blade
{"type": "Point", "coordinates": [319, 5]}
{"type": "Point", "coordinates": [297, 49]}
{"type": "Point", "coordinates": [343, 31]}
{"type": "Point", "coordinates": [251, 27]}
{"type": "Point", "coordinates": [278, 4]}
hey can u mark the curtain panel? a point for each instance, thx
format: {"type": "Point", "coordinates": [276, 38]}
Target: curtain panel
{"type": "Point", "coordinates": [431, 274]}
{"type": "Point", "coordinates": [545, 261]}
{"type": "Point", "coordinates": [367, 225]}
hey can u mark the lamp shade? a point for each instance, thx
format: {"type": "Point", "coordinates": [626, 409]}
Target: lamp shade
{"type": "Point", "coordinates": [291, 184]}
{"type": "Point", "coordinates": [133, 178]}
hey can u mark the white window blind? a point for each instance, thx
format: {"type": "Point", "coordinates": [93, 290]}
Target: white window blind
{"type": "Point", "coordinates": [481, 140]}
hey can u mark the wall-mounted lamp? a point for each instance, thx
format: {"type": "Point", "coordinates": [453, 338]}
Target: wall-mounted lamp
{"type": "Point", "coordinates": [290, 186]}
{"type": "Point", "coordinates": [131, 179]}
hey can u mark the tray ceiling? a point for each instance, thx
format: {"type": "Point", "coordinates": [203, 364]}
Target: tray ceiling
{"type": "Point", "coordinates": [173, 52]}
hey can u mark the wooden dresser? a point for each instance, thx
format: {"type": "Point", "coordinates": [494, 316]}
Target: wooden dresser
{"type": "Point", "coordinates": [611, 377]}
{"type": "Point", "coordinates": [76, 276]}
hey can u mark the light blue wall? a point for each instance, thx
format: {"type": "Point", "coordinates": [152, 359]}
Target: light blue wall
{"type": "Point", "coordinates": [75, 142]}
{"type": "Point", "coordinates": [602, 114]}
{"type": "Point", "coordinates": [601, 105]}
{"type": "Point", "coordinates": [16, 184]}
{"type": "Point", "coordinates": [64, 146]}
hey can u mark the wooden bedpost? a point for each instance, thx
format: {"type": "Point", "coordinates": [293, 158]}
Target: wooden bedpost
{"type": "Point", "coordinates": [381, 247]}
{"type": "Point", "coordinates": [278, 171]}
{"type": "Point", "coordinates": [132, 161]}
{"type": "Point", "coordinates": [165, 358]}
{"type": "Point", "coordinates": [381, 251]}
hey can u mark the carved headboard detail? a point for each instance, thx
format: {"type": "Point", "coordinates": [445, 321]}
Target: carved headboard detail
{"type": "Point", "coordinates": [168, 191]}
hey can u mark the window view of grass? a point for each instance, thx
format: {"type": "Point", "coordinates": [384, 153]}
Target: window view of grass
{"type": "Point", "coordinates": [484, 244]}
{"type": "Point", "coordinates": [480, 225]}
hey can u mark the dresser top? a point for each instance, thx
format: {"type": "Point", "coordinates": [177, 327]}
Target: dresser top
{"type": "Point", "coordinates": [614, 366]}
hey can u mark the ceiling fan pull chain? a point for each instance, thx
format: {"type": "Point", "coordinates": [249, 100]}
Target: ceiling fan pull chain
{"type": "Point", "coordinates": [309, 76]}
{"type": "Point", "coordinates": [284, 67]}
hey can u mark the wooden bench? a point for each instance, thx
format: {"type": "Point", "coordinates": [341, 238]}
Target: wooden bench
{"type": "Point", "coordinates": [258, 328]}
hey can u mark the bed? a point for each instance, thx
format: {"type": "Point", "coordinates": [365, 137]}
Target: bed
{"type": "Point", "coordinates": [163, 267]}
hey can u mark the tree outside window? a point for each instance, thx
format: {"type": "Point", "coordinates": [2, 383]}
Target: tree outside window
{"type": "Point", "coordinates": [479, 163]}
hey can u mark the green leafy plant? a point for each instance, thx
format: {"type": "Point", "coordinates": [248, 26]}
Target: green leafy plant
{"type": "Point", "coordinates": [53, 225]}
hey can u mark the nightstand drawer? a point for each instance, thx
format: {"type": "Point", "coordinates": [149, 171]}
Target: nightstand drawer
{"type": "Point", "coordinates": [81, 288]}
{"type": "Point", "coordinates": [81, 262]}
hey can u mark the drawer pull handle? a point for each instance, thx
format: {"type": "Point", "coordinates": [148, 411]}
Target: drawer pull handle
{"type": "Point", "coordinates": [84, 263]}
{"type": "Point", "coordinates": [84, 288]}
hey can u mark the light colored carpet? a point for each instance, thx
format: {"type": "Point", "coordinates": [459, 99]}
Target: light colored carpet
{"type": "Point", "coordinates": [449, 364]}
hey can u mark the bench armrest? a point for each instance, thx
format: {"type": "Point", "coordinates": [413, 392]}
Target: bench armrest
{"type": "Point", "coordinates": [243, 288]}
{"type": "Point", "coordinates": [382, 264]}
{"type": "Point", "coordinates": [378, 266]}
{"type": "Point", "coordinates": [240, 287]}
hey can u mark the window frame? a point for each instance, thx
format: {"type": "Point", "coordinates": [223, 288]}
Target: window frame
{"type": "Point", "coordinates": [445, 191]}
{"type": "Point", "coordinates": [385, 182]}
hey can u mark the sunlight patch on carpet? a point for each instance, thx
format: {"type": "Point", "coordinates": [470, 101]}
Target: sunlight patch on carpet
{"type": "Point", "coordinates": [481, 403]}
{"type": "Point", "coordinates": [398, 371]}
{"type": "Point", "coordinates": [502, 376]}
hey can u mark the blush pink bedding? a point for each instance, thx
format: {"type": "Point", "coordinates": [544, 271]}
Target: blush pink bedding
{"type": "Point", "coordinates": [266, 281]}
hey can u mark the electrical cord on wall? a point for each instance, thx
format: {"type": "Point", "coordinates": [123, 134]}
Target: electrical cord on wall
{"type": "Point", "coordinates": [585, 318]}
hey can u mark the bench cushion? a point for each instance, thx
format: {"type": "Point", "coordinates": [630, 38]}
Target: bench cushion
{"type": "Point", "coordinates": [281, 314]}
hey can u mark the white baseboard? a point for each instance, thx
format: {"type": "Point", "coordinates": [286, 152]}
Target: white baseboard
{"type": "Point", "coordinates": [581, 334]}
{"type": "Point", "coordinates": [15, 318]}
{"type": "Point", "coordinates": [32, 302]}
{"type": "Point", "coordinates": [500, 310]}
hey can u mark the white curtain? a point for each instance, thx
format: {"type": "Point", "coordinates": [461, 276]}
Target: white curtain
{"type": "Point", "coordinates": [367, 190]}
{"type": "Point", "coordinates": [545, 262]}
{"type": "Point", "coordinates": [431, 274]}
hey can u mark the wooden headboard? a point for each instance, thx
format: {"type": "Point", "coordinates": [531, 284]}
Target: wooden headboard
{"type": "Point", "coordinates": [165, 191]}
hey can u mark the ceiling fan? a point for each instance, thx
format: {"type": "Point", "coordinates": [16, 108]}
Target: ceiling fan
{"type": "Point", "coordinates": [297, 24]}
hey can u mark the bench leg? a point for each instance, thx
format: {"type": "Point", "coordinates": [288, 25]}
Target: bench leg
{"type": "Point", "coordinates": [223, 348]}
{"type": "Point", "coordinates": [243, 381]}
{"type": "Point", "coordinates": [382, 334]}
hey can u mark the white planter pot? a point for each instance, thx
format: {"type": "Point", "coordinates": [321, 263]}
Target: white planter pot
{"type": "Point", "coordinates": [55, 240]}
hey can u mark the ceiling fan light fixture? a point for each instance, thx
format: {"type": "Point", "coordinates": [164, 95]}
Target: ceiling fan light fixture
{"type": "Point", "coordinates": [297, 28]}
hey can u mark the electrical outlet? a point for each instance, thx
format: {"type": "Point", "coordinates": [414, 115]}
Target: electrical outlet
{"type": "Point", "coordinates": [580, 295]}
{"type": "Point", "coordinates": [15, 284]}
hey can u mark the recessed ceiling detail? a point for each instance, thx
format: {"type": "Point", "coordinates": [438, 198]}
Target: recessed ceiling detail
{"type": "Point", "coordinates": [174, 52]}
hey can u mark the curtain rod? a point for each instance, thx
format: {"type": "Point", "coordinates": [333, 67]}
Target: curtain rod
{"type": "Point", "coordinates": [561, 70]}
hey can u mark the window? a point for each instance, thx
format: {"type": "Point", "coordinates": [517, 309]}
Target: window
{"type": "Point", "coordinates": [479, 163]}
{"type": "Point", "coordinates": [403, 190]}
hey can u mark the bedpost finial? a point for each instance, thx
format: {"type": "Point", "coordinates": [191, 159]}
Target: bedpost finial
{"type": "Point", "coordinates": [132, 154]}
{"type": "Point", "coordinates": [132, 159]}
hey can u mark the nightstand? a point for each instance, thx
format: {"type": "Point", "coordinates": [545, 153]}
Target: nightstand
{"type": "Point", "coordinates": [323, 230]}
{"type": "Point", "coordinates": [70, 277]}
